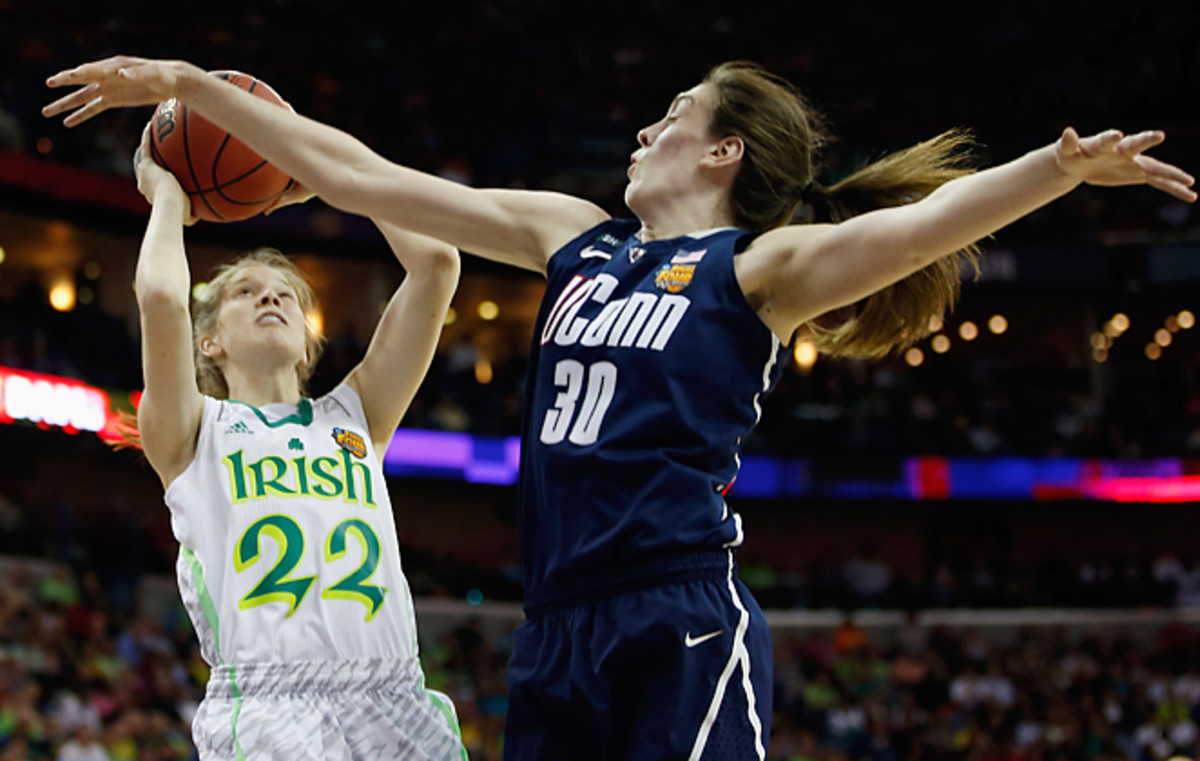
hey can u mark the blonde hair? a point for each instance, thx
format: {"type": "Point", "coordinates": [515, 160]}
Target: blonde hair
{"type": "Point", "coordinates": [205, 308]}
{"type": "Point", "coordinates": [782, 136]}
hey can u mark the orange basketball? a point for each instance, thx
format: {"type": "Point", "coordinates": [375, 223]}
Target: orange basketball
{"type": "Point", "coordinates": [225, 180]}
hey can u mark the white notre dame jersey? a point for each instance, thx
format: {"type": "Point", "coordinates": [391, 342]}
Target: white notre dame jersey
{"type": "Point", "coordinates": [288, 549]}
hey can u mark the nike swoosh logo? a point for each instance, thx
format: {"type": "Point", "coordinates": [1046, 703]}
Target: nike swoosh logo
{"type": "Point", "coordinates": [594, 253]}
{"type": "Point", "coordinates": [690, 642]}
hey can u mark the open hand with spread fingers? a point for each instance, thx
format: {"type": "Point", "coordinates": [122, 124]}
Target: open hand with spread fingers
{"type": "Point", "coordinates": [1111, 158]}
{"type": "Point", "coordinates": [113, 83]}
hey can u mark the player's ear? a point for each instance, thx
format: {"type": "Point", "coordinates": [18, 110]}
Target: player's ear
{"type": "Point", "coordinates": [209, 347]}
{"type": "Point", "coordinates": [727, 152]}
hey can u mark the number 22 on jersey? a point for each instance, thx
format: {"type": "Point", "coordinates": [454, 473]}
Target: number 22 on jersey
{"type": "Point", "coordinates": [280, 586]}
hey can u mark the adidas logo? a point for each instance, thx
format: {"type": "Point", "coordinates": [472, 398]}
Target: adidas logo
{"type": "Point", "coordinates": [239, 427]}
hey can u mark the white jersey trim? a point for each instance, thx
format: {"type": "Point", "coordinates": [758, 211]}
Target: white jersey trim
{"type": "Point", "coordinates": [738, 656]}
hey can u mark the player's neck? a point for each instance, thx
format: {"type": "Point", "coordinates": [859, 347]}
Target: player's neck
{"type": "Point", "coordinates": [260, 389]}
{"type": "Point", "coordinates": [679, 219]}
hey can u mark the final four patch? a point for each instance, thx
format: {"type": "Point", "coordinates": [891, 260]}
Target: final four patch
{"type": "Point", "coordinates": [351, 442]}
{"type": "Point", "coordinates": [673, 278]}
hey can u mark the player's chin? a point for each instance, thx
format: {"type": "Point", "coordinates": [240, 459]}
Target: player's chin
{"type": "Point", "coordinates": [283, 348]}
{"type": "Point", "coordinates": [634, 198]}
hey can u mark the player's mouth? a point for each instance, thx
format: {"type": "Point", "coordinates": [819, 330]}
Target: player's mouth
{"type": "Point", "coordinates": [270, 318]}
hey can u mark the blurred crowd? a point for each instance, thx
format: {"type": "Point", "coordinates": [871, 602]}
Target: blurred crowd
{"type": "Point", "coordinates": [82, 682]}
{"type": "Point", "coordinates": [85, 343]}
{"type": "Point", "coordinates": [997, 404]}
{"type": "Point", "coordinates": [865, 580]}
{"type": "Point", "coordinates": [926, 694]}
{"type": "Point", "coordinates": [84, 679]}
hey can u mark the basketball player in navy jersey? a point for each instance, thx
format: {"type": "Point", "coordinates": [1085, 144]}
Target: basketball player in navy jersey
{"type": "Point", "coordinates": [656, 341]}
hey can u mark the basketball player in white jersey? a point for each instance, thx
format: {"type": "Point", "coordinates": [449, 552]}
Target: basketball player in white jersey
{"type": "Point", "coordinates": [289, 563]}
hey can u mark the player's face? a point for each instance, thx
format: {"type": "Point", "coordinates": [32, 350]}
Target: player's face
{"type": "Point", "coordinates": [260, 317]}
{"type": "Point", "coordinates": [667, 160]}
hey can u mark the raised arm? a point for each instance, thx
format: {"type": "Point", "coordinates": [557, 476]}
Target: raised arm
{"type": "Point", "coordinates": [406, 338]}
{"type": "Point", "coordinates": [169, 413]}
{"type": "Point", "coordinates": [794, 274]}
{"type": "Point", "coordinates": [522, 228]}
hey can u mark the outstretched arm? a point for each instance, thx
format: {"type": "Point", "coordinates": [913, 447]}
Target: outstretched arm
{"type": "Point", "coordinates": [794, 274]}
{"type": "Point", "coordinates": [169, 412]}
{"type": "Point", "coordinates": [406, 338]}
{"type": "Point", "coordinates": [522, 228]}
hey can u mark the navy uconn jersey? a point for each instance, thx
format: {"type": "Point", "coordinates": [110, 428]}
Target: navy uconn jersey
{"type": "Point", "coordinates": [647, 368]}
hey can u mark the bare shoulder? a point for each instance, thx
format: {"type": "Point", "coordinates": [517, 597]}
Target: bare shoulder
{"type": "Point", "coordinates": [773, 270]}
{"type": "Point", "coordinates": [169, 430]}
{"type": "Point", "coordinates": [769, 254]}
{"type": "Point", "coordinates": [787, 238]}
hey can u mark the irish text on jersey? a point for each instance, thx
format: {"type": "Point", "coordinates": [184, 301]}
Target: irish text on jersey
{"type": "Point", "coordinates": [322, 477]}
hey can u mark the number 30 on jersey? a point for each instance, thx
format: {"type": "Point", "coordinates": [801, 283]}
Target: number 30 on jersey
{"type": "Point", "coordinates": [574, 418]}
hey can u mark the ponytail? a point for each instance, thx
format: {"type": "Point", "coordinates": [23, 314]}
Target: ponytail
{"type": "Point", "coordinates": [783, 135]}
{"type": "Point", "coordinates": [129, 436]}
{"type": "Point", "coordinates": [899, 315]}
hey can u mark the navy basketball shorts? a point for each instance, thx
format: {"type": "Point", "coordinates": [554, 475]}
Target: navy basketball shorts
{"type": "Point", "coordinates": [676, 671]}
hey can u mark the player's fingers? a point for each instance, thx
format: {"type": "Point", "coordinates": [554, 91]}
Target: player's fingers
{"type": "Point", "coordinates": [1069, 142]}
{"type": "Point", "coordinates": [1162, 170]}
{"type": "Point", "coordinates": [91, 72]}
{"type": "Point", "coordinates": [143, 149]}
{"type": "Point", "coordinates": [74, 100]}
{"type": "Point", "coordinates": [96, 106]}
{"type": "Point", "coordinates": [1142, 141]}
{"type": "Point", "coordinates": [1176, 189]}
{"type": "Point", "coordinates": [1102, 143]}
{"type": "Point", "coordinates": [80, 75]}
